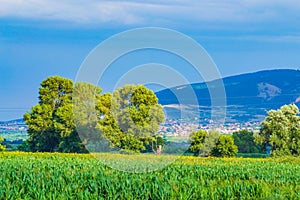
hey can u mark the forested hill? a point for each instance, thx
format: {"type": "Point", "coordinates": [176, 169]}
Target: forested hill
{"type": "Point", "coordinates": [12, 122]}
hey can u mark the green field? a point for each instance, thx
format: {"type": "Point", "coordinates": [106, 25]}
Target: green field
{"type": "Point", "coordinates": [14, 135]}
{"type": "Point", "coordinates": [78, 176]}
{"type": "Point", "coordinates": [177, 139]}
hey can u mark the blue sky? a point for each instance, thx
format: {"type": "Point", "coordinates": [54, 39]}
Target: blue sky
{"type": "Point", "coordinates": [39, 38]}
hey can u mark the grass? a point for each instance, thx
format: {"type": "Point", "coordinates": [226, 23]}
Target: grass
{"type": "Point", "coordinates": [82, 176]}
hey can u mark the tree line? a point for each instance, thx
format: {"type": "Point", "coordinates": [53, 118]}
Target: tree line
{"type": "Point", "coordinates": [78, 117]}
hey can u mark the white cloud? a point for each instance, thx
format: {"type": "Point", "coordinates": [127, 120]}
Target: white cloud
{"type": "Point", "coordinates": [80, 11]}
{"type": "Point", "coordinates": [152, 12]}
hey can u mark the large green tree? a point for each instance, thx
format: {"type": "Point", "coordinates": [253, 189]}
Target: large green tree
{"type": "Point", "coordinates": [50, 123]}
{"type": "Point", "coordinates": [281, 130]}
{"type": "Point", "coordinates": [54, 93]}
{"type": "Point", "coordinates": [134, 118]}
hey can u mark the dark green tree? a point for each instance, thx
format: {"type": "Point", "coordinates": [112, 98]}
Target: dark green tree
{"type": "Point", "coordinates": [245, 142]}
{"type": "Point", "coordinates": [281, 130]}
{"type": "Point", "coordinates": [203, 142]}
{"type": "Point", "coordinates": [41, 131]}
{"type": "Point", "coordinates": [225, 147]}
{"type": "Point", "coordinates": [157, 144]}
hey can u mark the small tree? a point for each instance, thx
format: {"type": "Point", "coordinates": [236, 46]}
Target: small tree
{"type": "Point", "coordinates": [225, 147]}
{"type": "Point", "coordinates": [196, 140]}
{"type": "Point", "coordinates": [209, 143]}
{"type": "Point", "coordinates": [2, 147]}
{"type": "Point", "coordinates": [157, 145]}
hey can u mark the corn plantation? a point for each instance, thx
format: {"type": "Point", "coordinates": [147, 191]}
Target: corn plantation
{"type": "Point", "coordinates": [78, 176]}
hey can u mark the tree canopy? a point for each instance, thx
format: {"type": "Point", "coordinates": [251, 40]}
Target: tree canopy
{"type": "Point", "coordinates": [197, 140]}
{"type": "Point", "coordinates": [50, 123]}
{"type": "Point", "coordinates": [225, 147]}
{"type": "Point", "coordinates": [281, 130]}
{"type": "Point", "coordinates": [209, 143]}
{"type": "Point", "coordinates": [134, 118]}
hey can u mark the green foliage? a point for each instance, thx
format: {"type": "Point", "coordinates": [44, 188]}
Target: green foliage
{"type": "Point", "coordinates": [56, 91]}
{"type": "Point", "coordinates": [209, 143]}
{"type": "Point", "coordinates": [245, 142]}
{"type": "Point", "coordinates": [25, 146]}
{"type": "Point", "coordinates": [196, 140]}
{"type": "Point", "coordinates": [137, 111]}
{"type": "Point", "coordinates": [225, 147]}
{"type": "Point", "coordinates": [134, 118]}
{"type": "Point", "coordinates": [77, 176]}
{"type": "Point", "coordinates": [51, 124]}
{"type": "Point", "coordinates": [2, 147]}
{"type": "Point", "coordinates": [42, 136]}
{"type": "Point", "coordinates": [281, 130]}
{"type": "Point", "coordinates": [212, 143]}
{"type": "Point", "coordinates": [156, 145]}
{"type": "Point", "coordinates": [126, 120]}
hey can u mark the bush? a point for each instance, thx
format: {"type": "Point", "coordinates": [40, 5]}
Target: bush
{"type": "Point", "coordinates": [225, 147]}
{"type": "Point", "coordinates": [2, 147]}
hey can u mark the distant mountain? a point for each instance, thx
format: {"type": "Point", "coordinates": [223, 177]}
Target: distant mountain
{"type": "Point", "coordinates": [15, 121]}
{"type": "Point", "coordinates": [248, 96]}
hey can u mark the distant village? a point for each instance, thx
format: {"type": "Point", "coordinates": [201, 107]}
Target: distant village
{"type": "Point", "coordinates": [13, 126]}
{"type": "Point", "coordinates": [171, 127]}
{"type": "Point", "coordinates": [178, 127]}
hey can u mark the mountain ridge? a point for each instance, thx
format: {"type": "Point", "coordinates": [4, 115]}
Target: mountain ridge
{"type": "Point", "coordinates": [251, 93]}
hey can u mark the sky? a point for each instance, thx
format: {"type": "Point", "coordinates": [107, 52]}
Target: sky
{"type": "Point", "coordinates": [41, 38]}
